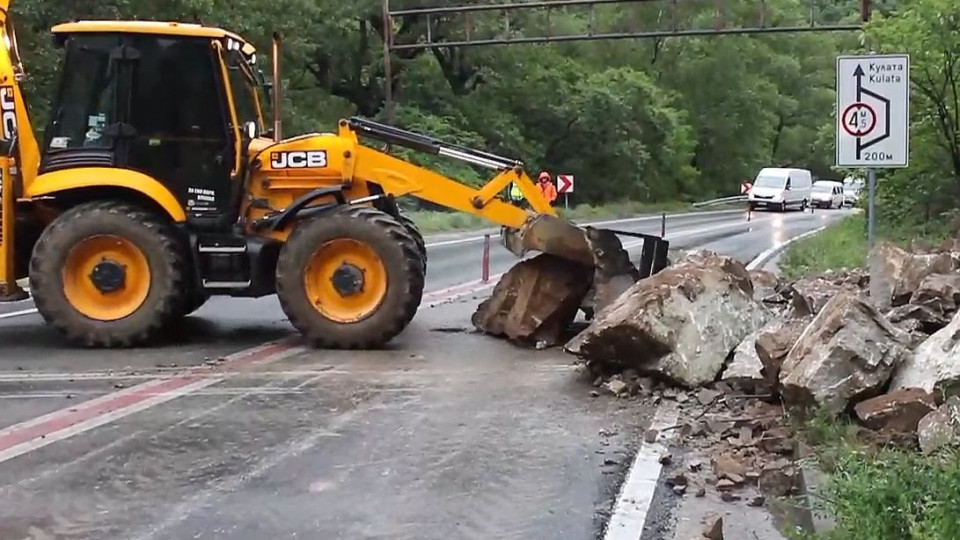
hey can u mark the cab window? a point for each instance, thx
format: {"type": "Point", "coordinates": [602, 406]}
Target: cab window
{"type": "Point", "coordinates": [244, 87]}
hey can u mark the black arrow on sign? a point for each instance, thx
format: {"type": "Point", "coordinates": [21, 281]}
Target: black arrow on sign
{"type": "Point", "coordinates": [861, 146]}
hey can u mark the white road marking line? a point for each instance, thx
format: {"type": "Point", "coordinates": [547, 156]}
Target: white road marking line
{"type": "Point", "coordinates": [21, 313]}
{"type": "Point", "coordinates": [636, 494]}
{"type": "Point", "coordinates": [763, 258]}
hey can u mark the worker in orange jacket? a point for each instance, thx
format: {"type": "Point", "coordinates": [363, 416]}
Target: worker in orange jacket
{"type": "Point", "coordinates": [547, 188]}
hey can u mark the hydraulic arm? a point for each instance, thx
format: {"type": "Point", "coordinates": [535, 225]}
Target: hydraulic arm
{"type": "Point", "coordinates": [540, 229]}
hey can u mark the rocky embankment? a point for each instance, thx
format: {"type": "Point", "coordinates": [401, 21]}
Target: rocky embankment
{"type": "Point", "coordinates": [739, 348]}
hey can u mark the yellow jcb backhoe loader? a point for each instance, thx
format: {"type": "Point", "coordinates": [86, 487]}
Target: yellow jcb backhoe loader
{"type": "Point", "coordinates": [159, 185]}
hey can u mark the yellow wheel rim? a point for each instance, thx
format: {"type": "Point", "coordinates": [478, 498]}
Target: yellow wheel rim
{"type": "Point", "coordinates": [345, 280]}
{"type": "Point", "coordinates": [106, 277]}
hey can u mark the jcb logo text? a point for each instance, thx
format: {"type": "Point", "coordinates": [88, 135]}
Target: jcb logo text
{"type": "Point", "coordinates": [8, 112]}
{"type": "Point", "coordinates": [298, 160]}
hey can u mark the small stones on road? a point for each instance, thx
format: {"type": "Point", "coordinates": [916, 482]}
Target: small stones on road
{"type": "Point", "coordinates": [677, 479]}
{"type": "Point", "coordinates": [701, 492]}
{"type": "Point", "coordinates": [756, 501]}
{"type": "Point", "coordinates": [616, 387]}
{"type": "Point", "coordinates": [713, 527]}
{"type": "Point", "coordinates": [650, 436]}
{"type": "Point", "coordinates": [707, 396]}
{"type": "Point", "coordinates": [666, 459]}
{"type": "Point", "coordinates": [679, 490]}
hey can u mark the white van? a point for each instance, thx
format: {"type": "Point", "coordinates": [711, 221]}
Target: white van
{"type": "Point", "coordinates": [781, 189]}
{"type": "Point", "coordinates": [827, 194]}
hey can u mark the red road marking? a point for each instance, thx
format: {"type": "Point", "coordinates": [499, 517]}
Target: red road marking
{"type": "Point", "coordinates": [127, 399]}
{"type": "Point", "coordinates": [89, 414]}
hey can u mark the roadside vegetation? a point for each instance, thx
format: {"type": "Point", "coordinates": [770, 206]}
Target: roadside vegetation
{"type": "Point", "coordinates": [879, 490]}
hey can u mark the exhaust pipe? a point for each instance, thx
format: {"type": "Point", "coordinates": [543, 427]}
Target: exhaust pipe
{"type": "Point", "coordinates": [277, 88]}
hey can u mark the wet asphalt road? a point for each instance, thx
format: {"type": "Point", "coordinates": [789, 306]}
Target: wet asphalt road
{"type": "Point", "coordinates": [447, 434]}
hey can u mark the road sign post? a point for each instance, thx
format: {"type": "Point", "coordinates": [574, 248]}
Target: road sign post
{"type": "Point", "coordinates": [873, 118]}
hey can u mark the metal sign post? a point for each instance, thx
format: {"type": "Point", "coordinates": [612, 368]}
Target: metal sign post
{"type": "Point", "coordinates": [873, 118]}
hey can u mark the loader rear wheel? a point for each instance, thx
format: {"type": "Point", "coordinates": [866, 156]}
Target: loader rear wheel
{"type": "Point", "coordinates": [350, 280]}
{"type": "Point", "coordinates": [108, 274]}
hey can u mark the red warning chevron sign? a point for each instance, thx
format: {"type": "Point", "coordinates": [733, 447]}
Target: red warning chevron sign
{"type": "Point", "coordinates": [564, 183]}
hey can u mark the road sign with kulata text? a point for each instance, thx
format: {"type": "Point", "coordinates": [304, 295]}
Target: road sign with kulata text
{"type": "Point", "coordinates": [564, 183]}
{"type": "Point", "coordinates": [873, 111]}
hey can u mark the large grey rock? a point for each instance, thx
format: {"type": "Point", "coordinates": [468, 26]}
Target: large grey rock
{"type": "Point", "coordinates": [845, 355]}
{"type": "Point", "coordinates": [681, 323]}
{"type": "Point", "coordinates": [897, 274]}
{"type": "Point", "coordinates": [745, 371]}
{"type": "Point", "coordinates": [535, 301]}
{"type": "Point", "coordinates": [939, 293]}
{"type": "Point", "coordinates": [941, 427]}
{"type": "Point", "coordinates": [935, 365]}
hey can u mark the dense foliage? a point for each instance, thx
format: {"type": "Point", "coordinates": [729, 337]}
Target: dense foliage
{"type": "Point", "coordinates": [922, 198]}
{"type": "Point", "coordinates": [650, 120]}
{"type": "Point", "coordinates": [646, 119]}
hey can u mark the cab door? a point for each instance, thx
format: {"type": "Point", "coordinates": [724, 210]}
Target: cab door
{"type": "Point", "coordinates": [182, 117]}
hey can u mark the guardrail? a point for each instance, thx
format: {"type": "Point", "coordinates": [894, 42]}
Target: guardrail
{"type": "Point", "coordinates": [721, 200]}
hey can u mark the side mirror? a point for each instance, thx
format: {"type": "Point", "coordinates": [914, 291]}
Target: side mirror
{"type": "Point", "coordinates": [250, 129]}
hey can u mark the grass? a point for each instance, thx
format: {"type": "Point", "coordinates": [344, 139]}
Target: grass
{"type": "Point", "coordinates": [435, 222]}
{"type": "Point", "coordinates": [843, 245]}
{"type": "Point", "coordinates": [881, 492]}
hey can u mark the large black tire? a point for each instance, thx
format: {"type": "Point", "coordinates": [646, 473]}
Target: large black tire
{"type": "Point", "coordinates": [149, 234]}
{"type": "Point", "coordinates": [378, 235]}
{"type": "Point", "coordinates": [414, 231]}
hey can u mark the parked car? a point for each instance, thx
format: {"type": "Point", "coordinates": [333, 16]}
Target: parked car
{"type": "Point", "coordinates": [780, 189]}
{"type": "Point", "coordinates": [851, 196]}
{"type": "Point", "coordinates": [827, 194]}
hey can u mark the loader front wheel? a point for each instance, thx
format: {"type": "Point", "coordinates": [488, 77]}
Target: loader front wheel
{"type": "Point", "coordinates": [352, 279]}
{"type": "Point", "coordinates": [414, 231]}
{"type": "Point", "coordinates": [108, 274]}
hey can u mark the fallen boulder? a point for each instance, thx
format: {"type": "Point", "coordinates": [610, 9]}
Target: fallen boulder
{"type": "Point", "coordinates": [809, 295]}
{"type": "Point", "coordinates": [846, 354]}
{"type": "Point", "coordinates": [681, 323]}
{"type": "Point", "coordinates": [898, 274]}
{"type": "Point", "coordinates": [941, 427]}
{"type": "Point", "coordinates": [745, 371]}
{"type": "Point", "coordinates": [935, 365]}
{"type": "Point", "coordinates": [535, 301]}
{"type": "Point", "coordinates": [939, 293]}
{"type": "Point", "coordinates": [897, 411]}
{"type": "Point", "coordinates": [911, 317]}
{"type": "Point", "coordinates": [774, 342]}
{"type": "Point", "coordinates": [766, 286]}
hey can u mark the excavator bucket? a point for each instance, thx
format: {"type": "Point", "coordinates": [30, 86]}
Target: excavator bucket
{"type": "Point", "coordinates": [599, 249]}
{"type": "Point", "coordinates": [582, 268]}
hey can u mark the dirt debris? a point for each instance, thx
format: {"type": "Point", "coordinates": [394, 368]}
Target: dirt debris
{"type": "Point", "coordinates": [713, 527]}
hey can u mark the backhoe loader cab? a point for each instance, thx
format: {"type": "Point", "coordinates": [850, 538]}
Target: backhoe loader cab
{"type": "Point", "coordinates": [177, 103]}
{"type": "Point", "coordinates": [157, 186]}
